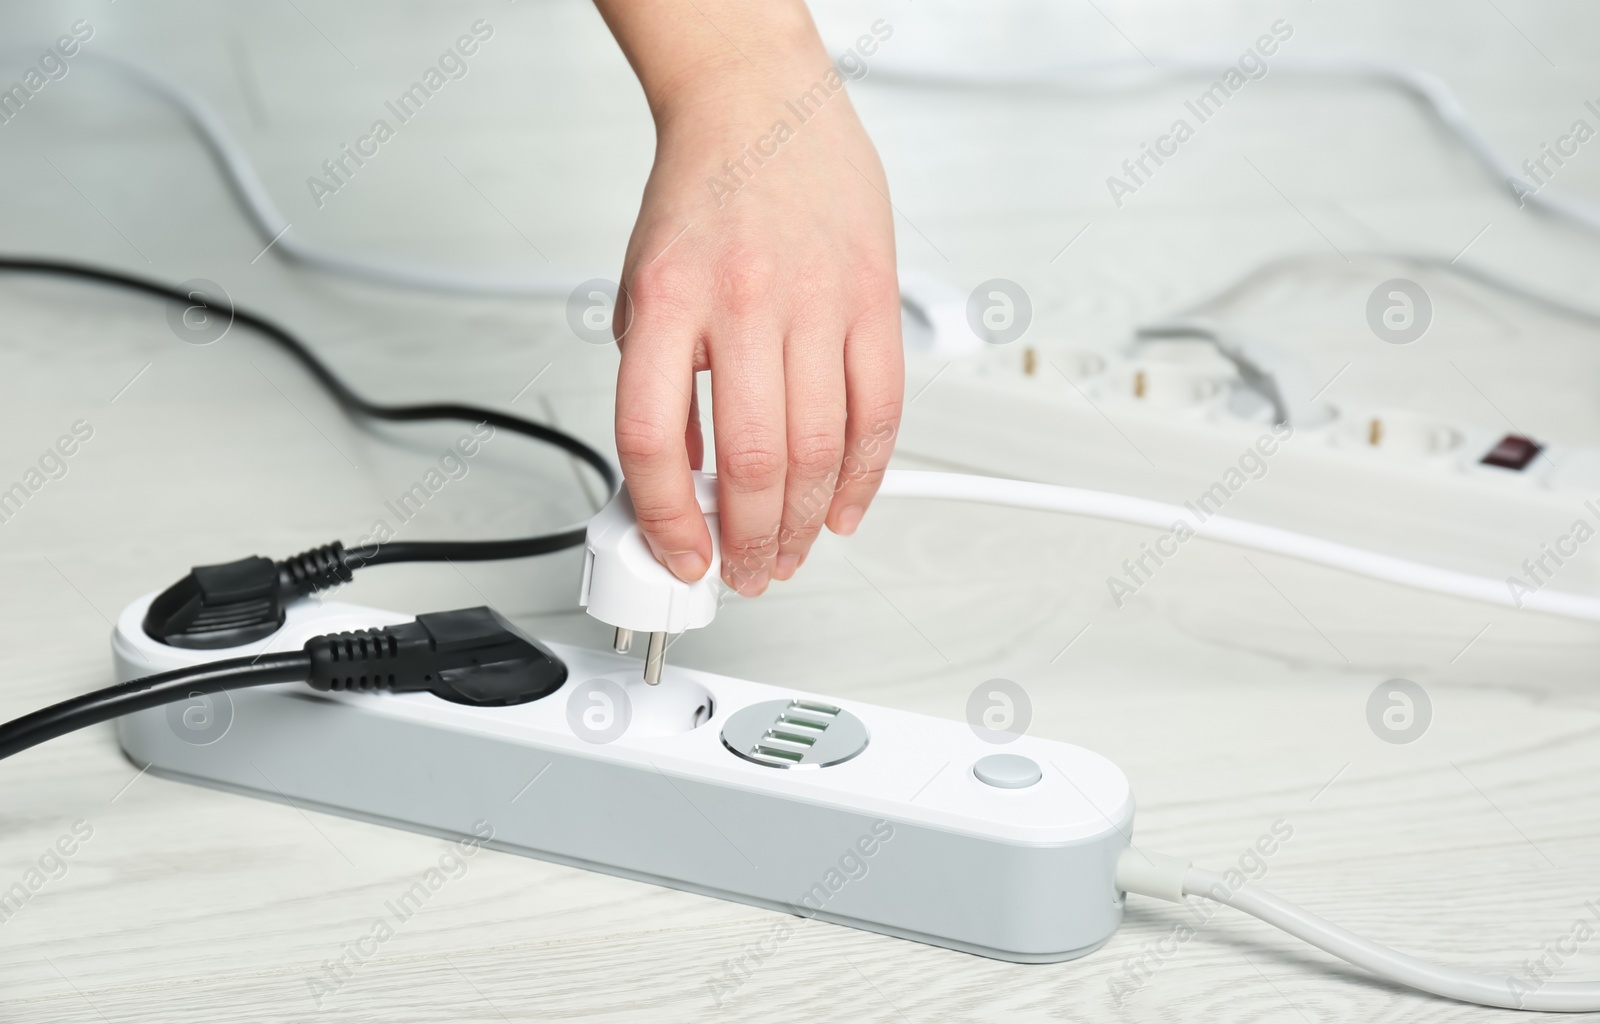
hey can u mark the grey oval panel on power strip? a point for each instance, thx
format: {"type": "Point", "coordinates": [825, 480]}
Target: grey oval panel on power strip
{"type": "Point", "coordinates": [794, 734]}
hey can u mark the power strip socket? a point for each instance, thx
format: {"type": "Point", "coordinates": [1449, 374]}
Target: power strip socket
{"type": "Point", "coordinates": [858, 815]}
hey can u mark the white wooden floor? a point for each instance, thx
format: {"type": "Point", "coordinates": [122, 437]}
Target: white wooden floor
{"type": "Point", "coordinates": [1231, 702]}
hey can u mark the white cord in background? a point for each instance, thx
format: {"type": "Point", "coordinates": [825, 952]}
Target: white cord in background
{"type": "Point", "coordinates": [1270, 369]}
{"type": "Point", "coordinates": [257, 203]}
{"type": "Point", "coordinates": [1169, 878]}
{"type": "Point", "coordinates": [1141, 511]}
{"type": "Point", "coordinates": [275, 228]}
{"type": "Point", "coordinates": [1429, 90]}
{"type": "Point", "coordinates": [269, 221]}
{"type": "Point", "coordinates": [1461, 268]}
{"type": "Point", "coordinates": [1436, 98]}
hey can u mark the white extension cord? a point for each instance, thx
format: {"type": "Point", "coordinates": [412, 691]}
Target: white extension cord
{"type": "Point", "coordinates": [1169, 878]}
{"type": "Point", "coordinates": [1142, 511]}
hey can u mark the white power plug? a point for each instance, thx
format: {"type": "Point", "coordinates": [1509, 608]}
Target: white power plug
{"type": "Point", "coordinates": [626, 587]}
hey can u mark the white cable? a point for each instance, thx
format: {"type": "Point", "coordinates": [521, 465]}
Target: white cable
{"type": "Point", "coordinates": [274, 227]}
{"type": "Point", "coordinates": [1434, 95]}
{"type": "Point", "coordinates": [1263, 367]}
{"type": "Point", "coordinates": [270, 222]}
{"type": "Point", "coordinates": [1170, 878]}
{"type": "Point", "coordinates": [1143, 512]}
{"type": "Point", "coordinates": [1473, 272]}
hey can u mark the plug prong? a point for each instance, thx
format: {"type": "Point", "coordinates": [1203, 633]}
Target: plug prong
{"type": "Point", "coordinates": [623, 641]}
{"type": "Point", "coordinates": [655, 658]}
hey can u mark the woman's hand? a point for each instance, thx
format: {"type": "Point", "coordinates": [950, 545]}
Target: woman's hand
{"type": "Point", "coordinates": [763, 252]}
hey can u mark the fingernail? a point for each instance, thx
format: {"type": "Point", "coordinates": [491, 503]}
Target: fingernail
{"type": "Point", "coordinates": [849, 519]}
{"type": "Point", "coordinates": [756, 585]}
{"type": "Point", "coordinates": [787, 564]}
{"type": "Point", "coordinates": [688, 566]}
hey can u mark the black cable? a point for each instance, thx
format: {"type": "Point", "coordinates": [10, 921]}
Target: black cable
{"type": "Point", "coordinates": [149, 692]}
{"type": "Point", "coordinates": [333, 561]}
{"type": "Point", "coordinates": [471, 656]}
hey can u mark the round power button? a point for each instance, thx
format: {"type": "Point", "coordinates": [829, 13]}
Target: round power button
{"type": "Point", "coordinates": [1007, 771]}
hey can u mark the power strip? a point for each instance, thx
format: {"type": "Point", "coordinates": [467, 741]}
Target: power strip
{"type": "Point", "coordinates": [858, 815]}
{"type": "Point", "coordinates": [1169, 426]}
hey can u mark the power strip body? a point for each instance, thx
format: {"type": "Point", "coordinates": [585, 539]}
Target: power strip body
{"type": "Point", "coordinates": [903, 838]}
{"type": "Point", "coordinates": [1422, 493]}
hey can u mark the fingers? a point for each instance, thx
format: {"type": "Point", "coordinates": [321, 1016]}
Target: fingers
{"type": "Point", "coordinates": [655, 445]}
{"type": "Point", "coordinates": [874, 368]}
{"type": "Point", "coordinates": [814, 389]}
{"type": "Point", "coordinates": [747, 407]}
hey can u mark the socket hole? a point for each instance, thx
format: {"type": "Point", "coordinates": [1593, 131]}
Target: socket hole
{"type": "Point", "coordinates": [778, 753]}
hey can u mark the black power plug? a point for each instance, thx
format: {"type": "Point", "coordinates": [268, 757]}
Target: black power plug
{"type": "Point", "coordinates": [238, 603]}
{"type": "Point", "coordinates": [470, 656]}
